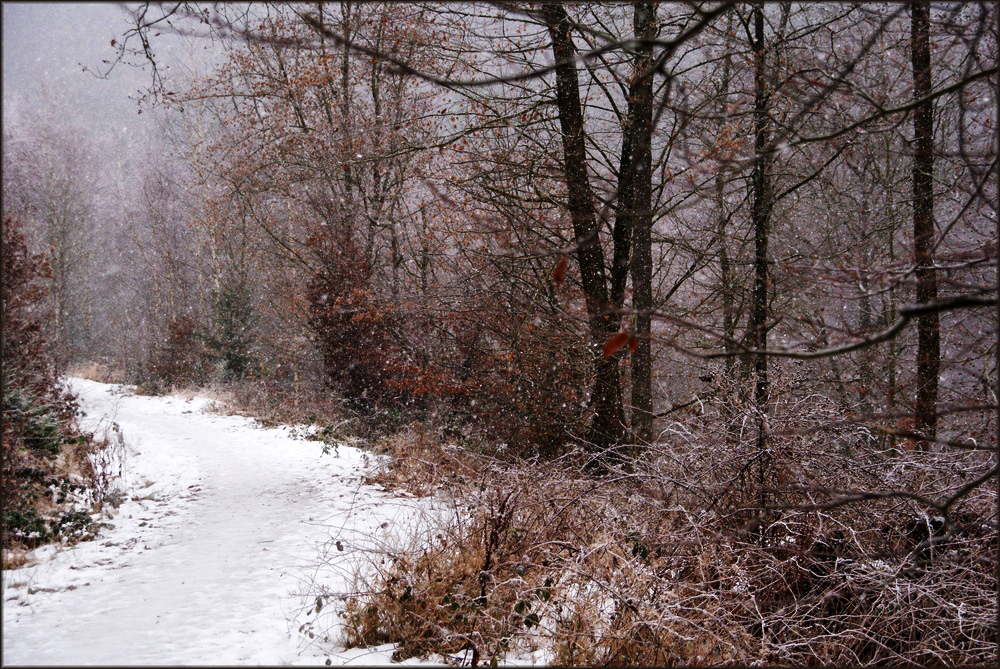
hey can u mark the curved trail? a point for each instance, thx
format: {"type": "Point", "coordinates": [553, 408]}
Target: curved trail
{"type": "Point", "coordinates": [210, 560]}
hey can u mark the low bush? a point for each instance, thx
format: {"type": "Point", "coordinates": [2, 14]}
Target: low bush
{"type": "Point", "coordinates": [638, 568]}
{"type": "Point", "coordinates": [48, 479]}
{"type": "Point", "coordinates": [50, 484]}
{"type": "Point", "coordinates": [183, 360]}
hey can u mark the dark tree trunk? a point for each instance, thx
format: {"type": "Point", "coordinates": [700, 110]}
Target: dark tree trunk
{"type": "Point", "coordinates": [889, 314]}
{"type": "Point", "coordinates": [608, 425]}
{"type": "Point", "coordinates": [928, 325]}
{"type": "Point", "coordinates": [727, 275]}
{"type": "Point", "coordinates": [760, 214]}
{"type": "Point", "coordinates": [640, 122]}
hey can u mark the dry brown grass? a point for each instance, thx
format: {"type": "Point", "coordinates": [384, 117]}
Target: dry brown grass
{"type": "Point", "coordinates": [420, 464]}
{"type": "Point", "coordinates": [667, 562]}
{"type": "Point", "coordinates": [274, 403]}
{"type": "Point", "coordinates": [94, 371]}
{"type": "Point", "coordinates": [16, 556]}
{"type": "Point", "coordinates": [542, 559]}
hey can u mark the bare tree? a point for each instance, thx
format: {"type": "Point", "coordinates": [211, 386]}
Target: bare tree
{"type": "Point", "coordinates": [928, 326]}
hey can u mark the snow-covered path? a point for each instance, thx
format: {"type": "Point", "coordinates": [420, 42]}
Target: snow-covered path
{"type": "Point", "coordinates": [207, 560]}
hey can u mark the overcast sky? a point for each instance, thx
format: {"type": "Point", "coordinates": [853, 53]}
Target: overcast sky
{"type": "Point", "coordinates": [45, 48]}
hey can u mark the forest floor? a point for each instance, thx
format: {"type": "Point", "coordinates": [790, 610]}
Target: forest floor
{"type": "Point", "coordinates": [216, 553]}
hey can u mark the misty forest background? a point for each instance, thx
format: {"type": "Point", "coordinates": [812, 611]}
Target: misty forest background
{"type": "Point", "coordinates": [693, 305]}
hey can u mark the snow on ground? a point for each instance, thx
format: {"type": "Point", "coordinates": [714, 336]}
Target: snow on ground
{"type": "Point", "coordinates": [211, 558]}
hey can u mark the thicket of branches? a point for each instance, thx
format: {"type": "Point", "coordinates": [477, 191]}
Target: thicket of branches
{"type": "Point", "coordinates": [709, 288]}
{"type": "Point", "coordinates": [51, 482]}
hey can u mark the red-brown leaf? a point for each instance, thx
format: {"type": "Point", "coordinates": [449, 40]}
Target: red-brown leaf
{"type": "Point", "coordinates": [559, 273]}
{"type": "Point", "coordinates": [614, 344]}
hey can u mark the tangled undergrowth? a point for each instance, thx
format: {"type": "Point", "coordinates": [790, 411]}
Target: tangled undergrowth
{"type": "Point", "coordinates": [667, 561]}
{"type": "Point", "coordinates": [55, 477]}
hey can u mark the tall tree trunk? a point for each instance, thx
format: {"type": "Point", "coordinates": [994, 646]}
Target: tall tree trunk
{"type": "Point", "coordinates": [608, 425]}
{"type": "Point", "coordinates": [641, 123]}
{"type": "Point", "coordinates": [888, 315]}
{"type": "Point", "coordinates": [346, 116]}
{"type": "Point", "coordinates": [760, 214]}
{"type": "Point", "coordinates": [727, 276]}
{"type": "Point", "coordinates": [424, 261]}
{"type": "Point", "coordinates": [928, 325]}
